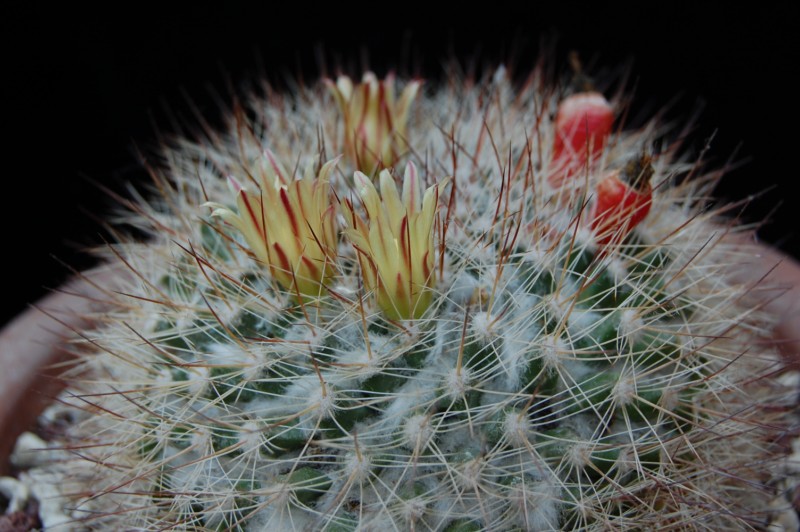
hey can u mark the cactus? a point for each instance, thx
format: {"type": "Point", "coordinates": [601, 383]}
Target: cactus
{"type": "Point", "coordinates": [514, 341]}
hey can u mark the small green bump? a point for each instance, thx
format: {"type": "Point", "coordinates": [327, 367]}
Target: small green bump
{"type": "Point", "coordinates": [601, 291]}
{"type": "Point", "coordinates": [480, 356]}
{"type": "Point", "coordinates": [230, 523]}
{"type": "Point", "coordinates": [534, 280]}
{"type": "Point", "coordinates": [580, 259]}
{"type": "Point", "coordinates": [542, 284]}
{"type": "Point", "coordinates": [307, 484]}
{"type": "Point", "coordinates": [350, 410]}
{"type": "Point", "coordinates": [329, 351]}
{"type": "Point", "coordinates": [382, 461]}
{"type": "Point", "coordinates": [180, 437]}
{"type": "Point", "coordinates": [463, 456]}
{"type": "Point", "coordinates": [594, 392]}
{"type": "Point", "coordinates": [179, 374]}
{"type": "Point", "coordinates": [645, 407]}
{"type": "Point", "coordinates": [495, 427]}
{"type": "Point", "coordinates": [284, 321]}
{"type": "Point", "coordinates": [651, 459]}
{"type": "Point", "coordinates": [147, 445]}
{"type": "Point", "coordinates": [470, 400]}
{"type": "Point", "coordinates": [246, 488]}
{"type": "Point", "coordinates": [271, 383]}
{"type": "Point", "coordinates": [213, 242]}
{"type": "Point", "coordinates": [417, 489]}
{"type": "Point", "coordinates": [188, 340]}
{"type": "Point", "coordinates": [179, 284]}
{"type": "Point", "coordinates": [380, 326]}
{"type": "Point", "coordinates": [464, 525]}
{"type": "Point", "coordinates": [162, 483]}
{"type": "Point", "coordinates": [227, 384]}
{"type": "Point", "coordinates": [539, 379]}
{"type": "Point", "coordinates": [416, 356]}
{"type": "Point", "coordinates": [493, 430]}
{"type": "Point", "coordinates": [166, 334]}
{"type": "Point", "coordinates": [603, 459]}
{"type": "Point", "coordinates": [385, 381]}
{"type": "Point", "coordinates": [249, 324]}
{"type": "Point", "coordinates": [247, 485]}
{"type": "Point", "coordinates": [652, 295]}
{"type": "Point", "coordinates": [684, 416]}
{"type": "Point", "coordinates": [511, 481]}
{"type": "Point", "coordinates": [242, 504]}
{"type": "Point", "coordinates": [286, 437]}
{"type": "Point", "coordinates": [553, 444]}
{"type": "Point", "coordinates": [638, 458]}
{"type": "Point", "coordinates": [654, 260]}
{"type": "Point", "coordinates": [549, 321]}
{"type": "Point", "coordinates": [345, 523]}
{"type": "Point", "coordinates": [600, 342]}
{"type": "Point", "coordinates": [657, 348]}
{"type": "Point", "coordinates": [224, 439]}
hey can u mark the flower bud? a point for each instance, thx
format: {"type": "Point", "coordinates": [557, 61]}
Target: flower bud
{"type": "Point", "coordinates": [374, 122]}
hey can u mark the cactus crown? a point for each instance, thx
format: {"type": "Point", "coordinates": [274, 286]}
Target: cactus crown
{"type": "Point", "coordinates": [308, 354]}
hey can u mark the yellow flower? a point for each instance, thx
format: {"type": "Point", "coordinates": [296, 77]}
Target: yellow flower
{"type": "Point", "coordinates": [289, 224]}
{"type": "Point", "coordinates": [374, 123]}
{"type": "Point", "coordinates": [395, 243]}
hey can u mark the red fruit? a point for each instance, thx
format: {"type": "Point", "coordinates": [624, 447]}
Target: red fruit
{"type": "Point", "coordinates": [622, 200]}
{"type": "Point", "coordinates": [583, 125]}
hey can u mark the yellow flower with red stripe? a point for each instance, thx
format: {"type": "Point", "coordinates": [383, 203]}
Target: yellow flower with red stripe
{"type": "Point", "coordinates": [395, 243]}
{"type": "Point", "coordinates": [289, 224]}
{"type": "Point", "coordinates": [374, 121]}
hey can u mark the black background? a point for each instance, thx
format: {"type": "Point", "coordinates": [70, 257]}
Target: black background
{"type": "Point", "coordinates": [87, 85]}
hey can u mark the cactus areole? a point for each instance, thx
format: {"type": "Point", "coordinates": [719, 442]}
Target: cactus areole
{"type": "Point", "coordinates": [358, 313]}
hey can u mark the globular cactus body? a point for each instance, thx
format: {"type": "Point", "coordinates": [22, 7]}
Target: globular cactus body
{"type": "Point", "coordinates": [496, 353]}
